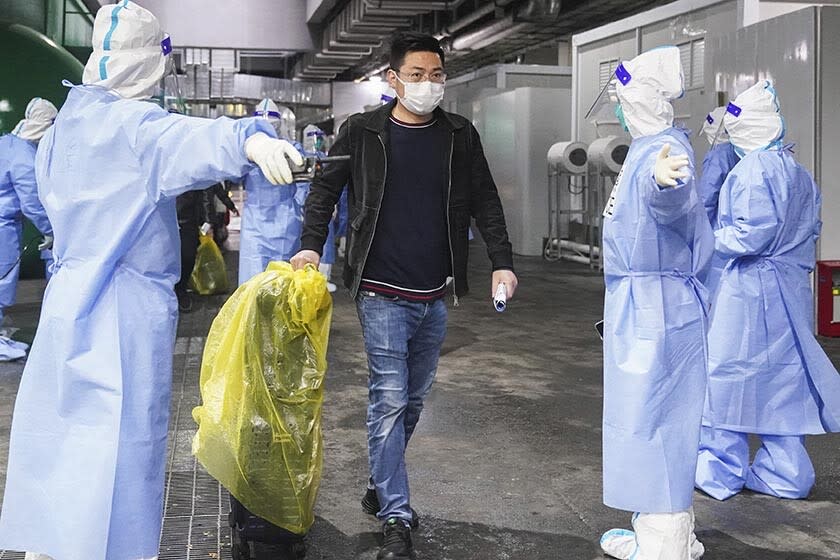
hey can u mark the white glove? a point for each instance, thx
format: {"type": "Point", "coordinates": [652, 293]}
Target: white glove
{"type": "Point", "coordinates": [270, 154]}
{"type": "Point", "coordinates": [47, 243]}
{"type": "Point", "coordinates": [666, 171]}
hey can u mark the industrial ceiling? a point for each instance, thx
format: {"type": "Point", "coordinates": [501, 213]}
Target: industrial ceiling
{"type": "Point", "coordinates": [474, 33]}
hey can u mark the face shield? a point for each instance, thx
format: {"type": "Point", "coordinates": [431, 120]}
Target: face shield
{"type": "Point", "coordinates": [713, 128]}
{"type": "Point", "coordinates": [606, 109]}
{"type": "Point", "coordinates": [313, 139]}
{"type": "Point", "coordinates": [168, 93]}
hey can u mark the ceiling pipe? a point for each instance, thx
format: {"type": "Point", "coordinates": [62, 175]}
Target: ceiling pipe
{"type": "Point", "coordinates": [330, 43]}
{"type": "Point", "coordinates": [351, 43]}
{"type": "Point", "coordinates": [352, 19]}
{"type": "Point", "coordinates": [340, 57]}
{"type": "Point", "coordinates": [467, 40]}
{"type": "Point", "coordinates": [472, 17]}
{"type": "Point", "coordinates": [409, 5]}
{"type": "Point", "coordinates": [500, 36]}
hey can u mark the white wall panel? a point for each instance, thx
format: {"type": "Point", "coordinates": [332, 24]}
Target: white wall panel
{"type": "Point", "coordinates": [517, 128]}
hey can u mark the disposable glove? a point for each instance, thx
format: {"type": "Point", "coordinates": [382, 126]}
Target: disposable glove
{"type": "Point", "coordinates": [270, 155]}
{"type": "Point", "coordinates": [47, 243]}
{"type": "Point", "coordinates": [666, 171]}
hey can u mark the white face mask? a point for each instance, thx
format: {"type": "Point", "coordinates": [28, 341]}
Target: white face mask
{"type": "Point", "coordinates": [421, 98]}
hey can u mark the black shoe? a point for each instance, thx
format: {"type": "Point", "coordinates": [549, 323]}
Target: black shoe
{"type": "Point", "coordinates": [396, 544]}
{"type": "Point", "coordinates": [370, 505]}
{"type": "Point", "coordinates": [184, 301]}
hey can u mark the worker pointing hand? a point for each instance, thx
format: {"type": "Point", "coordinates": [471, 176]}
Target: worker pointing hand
{"type": "Point", "coordinates": [666, 171]}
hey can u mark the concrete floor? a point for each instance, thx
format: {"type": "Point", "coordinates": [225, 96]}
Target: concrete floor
{"type": "Point", "coordinates": [506, 462]}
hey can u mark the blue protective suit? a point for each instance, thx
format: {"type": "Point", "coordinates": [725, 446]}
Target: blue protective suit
{"type": "Point", "coordinates": [657, 245]}
{"type": "Point", "coordinates": [88, 441]}
{"type": "Point", "coordinates": [719, 160]}
{"type": "Point", "coordinates": [768, 375]}
{"type": "Point", "coordinates": [18, 198]}
{"type": "Point", "coordinates": [328, 254]}
{"type": "Point", "coordinates": [338, 228]}
{"type": "Point", "coordinates": [272, 221]}
{"type": "Point", "coordinates": [717, 164]}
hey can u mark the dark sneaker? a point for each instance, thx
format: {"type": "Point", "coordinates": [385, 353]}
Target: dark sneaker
{"type": "Point", "coordinates": [396, 544]}
{"type": "Point", "coordinates": [370, 505]}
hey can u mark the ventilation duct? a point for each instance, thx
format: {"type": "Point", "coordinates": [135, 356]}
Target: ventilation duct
{"type": "Point", "coordinates": [361, 27]}
{"type": "Point", "coordinates": [467, 40]}
{"type": "Point", "coordinates": [539, 11]}
{"type": "Point", "coordinates": [473, 17]}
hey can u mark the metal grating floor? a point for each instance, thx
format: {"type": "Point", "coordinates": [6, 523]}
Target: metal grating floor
{"type": "Point", "coordinates": [196, 507]}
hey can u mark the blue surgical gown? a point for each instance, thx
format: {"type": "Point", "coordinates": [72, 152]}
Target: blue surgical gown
{"type": "Point", "coordinates": [88, 442]}
{"type": "Point", "coordinates": [18, 198]}
{"type": "Point", "coordinates": [657, 246]}
{"type": "Point", "coordinates": [767, 372]}
{"type": "Point", "coordinates": [717, 164]}
{"type": "Point", "coordinates": [272, 221]}
{"type": "Point", "coordinates": [329, 253]}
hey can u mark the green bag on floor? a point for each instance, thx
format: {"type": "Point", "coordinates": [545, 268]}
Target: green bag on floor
{"type": "Point", "coordinates": [209, 275]}
{"type": "Point", "coordinates": [259, 424]}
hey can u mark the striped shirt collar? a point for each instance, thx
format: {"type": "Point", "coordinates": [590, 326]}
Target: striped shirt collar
{"type": "Point", "coordinates": [413, 125]}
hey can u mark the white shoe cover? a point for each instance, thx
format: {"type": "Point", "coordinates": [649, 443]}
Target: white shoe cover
{"type": "Point", "coordinates": [619, 543]}
{"type": "Point", "coordinates": [657, 536]}
{"type": "Point", "coordinates": [12, 349]}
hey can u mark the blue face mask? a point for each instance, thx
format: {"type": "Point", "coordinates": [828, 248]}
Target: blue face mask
{"type": "Point", "coordinates": [619, 114]}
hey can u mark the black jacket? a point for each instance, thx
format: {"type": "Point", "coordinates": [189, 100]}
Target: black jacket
{"type": "Point", "coordinates": [472, 192]}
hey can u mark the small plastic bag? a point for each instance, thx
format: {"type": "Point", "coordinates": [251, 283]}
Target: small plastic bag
{"type": "Point", "coordinates": [209, 275]}
{"type": "Point", "coordinates": [259, 424]}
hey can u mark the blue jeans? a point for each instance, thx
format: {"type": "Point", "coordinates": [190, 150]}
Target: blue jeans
{"type": "Point", "coordinates": [403, 341]}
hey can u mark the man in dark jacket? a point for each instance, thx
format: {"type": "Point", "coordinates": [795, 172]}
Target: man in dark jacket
{"type": "Point", "coordinates": [416, 175]}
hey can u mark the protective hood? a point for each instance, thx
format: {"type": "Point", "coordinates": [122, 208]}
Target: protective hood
{"type": "Point", "coordinates": [646, 86]}
{"type": "Point", "coordinates": [39, 116]}
{"type": "Point", "coordinates": [268, 110]}
{"type": "Point", "coordinates": [754, 121]}
{"type": "Point", "coordinates": [129, 51]}
{"type": "Point", "coordinates": [313, 139]}
{"type": "Point", "coordinates": [713, 128]}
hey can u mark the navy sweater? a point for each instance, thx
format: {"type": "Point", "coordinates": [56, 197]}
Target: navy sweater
{"type": "Point", "coordinates": [409, 257]}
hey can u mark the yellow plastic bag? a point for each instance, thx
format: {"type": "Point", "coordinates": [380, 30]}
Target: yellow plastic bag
{"type": "Point", "coordinates": [209, 275]}
{"type": "Point", "coordinates": [259, 427]}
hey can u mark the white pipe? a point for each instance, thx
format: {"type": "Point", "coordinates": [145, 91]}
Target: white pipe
{"type": "Point", "coordinates": [576, 258]}
{"type": "Point", "coordinates": [582, 247]}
